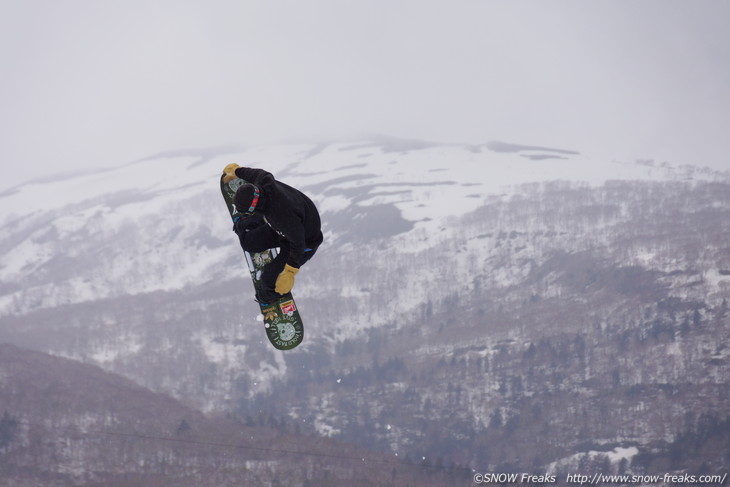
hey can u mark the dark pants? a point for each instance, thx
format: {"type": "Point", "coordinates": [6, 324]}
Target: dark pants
{"type": "Point", "coordinates": [256, 236]}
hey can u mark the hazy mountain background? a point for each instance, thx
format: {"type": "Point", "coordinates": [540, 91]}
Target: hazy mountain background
{"type": "Point", "coordinates": [493, 307]}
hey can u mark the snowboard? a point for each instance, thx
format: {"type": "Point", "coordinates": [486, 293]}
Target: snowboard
{"type": "Point", "coordinates": [282, 322]}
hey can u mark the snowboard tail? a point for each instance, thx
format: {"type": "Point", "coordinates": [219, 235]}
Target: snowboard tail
{"type": "Point", "coordinates": [282, 322]}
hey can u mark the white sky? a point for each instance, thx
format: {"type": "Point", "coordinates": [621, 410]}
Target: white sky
{"type": "Point", "coordinates": [89, 83]}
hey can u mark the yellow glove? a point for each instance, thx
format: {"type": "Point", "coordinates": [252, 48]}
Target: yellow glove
{"type": "Point", "coordinates": [285, 281]}
{"type": "Point", "coordinates": [230, 172]}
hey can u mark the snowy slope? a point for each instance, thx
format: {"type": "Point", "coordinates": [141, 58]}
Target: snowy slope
{"type": "Point", "coordinates": [52, 227]}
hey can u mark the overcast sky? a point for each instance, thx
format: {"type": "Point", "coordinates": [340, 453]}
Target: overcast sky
{"type": "Point", "coordinates": [89, 83]}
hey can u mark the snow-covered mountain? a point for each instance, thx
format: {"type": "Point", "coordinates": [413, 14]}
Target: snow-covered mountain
{"type": "Point", "coordinates": [157, 224]}
{"type": "Point", "coordinates": [451, 281]}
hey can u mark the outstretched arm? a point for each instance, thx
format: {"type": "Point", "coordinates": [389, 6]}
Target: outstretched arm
{"type": "Point", "coordinates": [259, 177]}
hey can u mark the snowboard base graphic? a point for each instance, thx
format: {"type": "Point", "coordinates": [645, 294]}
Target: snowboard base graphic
{"type": "Point", "coordinates": [282, 322]}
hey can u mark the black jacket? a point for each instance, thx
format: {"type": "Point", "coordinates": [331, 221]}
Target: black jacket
{"type": "Point", "coordinates": [288, 211]}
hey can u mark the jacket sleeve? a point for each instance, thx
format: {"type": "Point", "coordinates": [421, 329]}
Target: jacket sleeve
{"type": "Point", "coordinates": [259, 177]}
{"type": "Point", "coordinates": [294, 234]}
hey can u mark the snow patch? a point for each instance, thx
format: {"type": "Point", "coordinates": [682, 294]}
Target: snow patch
{"type": "Point", "coordinates": [614, 456]}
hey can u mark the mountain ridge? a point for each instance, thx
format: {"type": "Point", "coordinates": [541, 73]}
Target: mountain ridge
{"type": "Point", "coordinates": [416, 197]}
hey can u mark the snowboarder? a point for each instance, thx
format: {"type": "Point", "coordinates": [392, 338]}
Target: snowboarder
{"type": "Point", "coordinates": [275, 215]}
